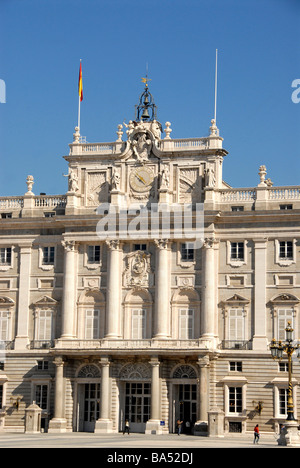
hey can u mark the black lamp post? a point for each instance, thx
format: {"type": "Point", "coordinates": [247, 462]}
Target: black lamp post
{"type": "Point", "coordinates": [277, 350]}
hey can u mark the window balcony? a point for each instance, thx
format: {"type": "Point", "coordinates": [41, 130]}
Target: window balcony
{"type": "Point", "coordinates": [236, 344]}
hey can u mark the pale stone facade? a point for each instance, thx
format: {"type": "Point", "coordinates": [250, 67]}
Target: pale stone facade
{"type": "Point", "coordinates": [99, 330]}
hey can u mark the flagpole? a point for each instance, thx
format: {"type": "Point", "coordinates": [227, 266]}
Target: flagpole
{"type": "Point", "coordinates": [79, 114]}
{"type": "Point", "coordinates": [79, 101]}
{"type": "Point", "coordinates": [216, 85]}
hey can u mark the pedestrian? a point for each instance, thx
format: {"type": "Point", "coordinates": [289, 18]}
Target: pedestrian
{"type": "Point", "coordinates": [126, 427]}
{"type": "Point", "coordinates": [256, 434]}
{"type": "Point", "coordinates": [179, 426]}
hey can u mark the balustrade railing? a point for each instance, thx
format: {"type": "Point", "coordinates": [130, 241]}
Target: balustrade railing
{"type": "Point", "coordinates": [237, 195]}
{"type": "Point", "coordinates": [284, 193]}
{"type": "Point", "coordinates": [49, 201]}
{"type": "Point", "coordinates": [11, 203]}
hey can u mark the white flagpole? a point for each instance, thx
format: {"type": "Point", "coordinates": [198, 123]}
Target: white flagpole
{"type": "Point", "coordinates": [216, 85]}
{"type": "Point", "coordinates": [79, 114]}
{"type": "Point", "coordinates": [79, 106]}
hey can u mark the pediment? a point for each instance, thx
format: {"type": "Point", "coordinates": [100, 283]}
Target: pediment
{"type": "Point", "coordinates": [6, 301]}
{"type": "Point", "coordinates": [284, 298]}
{"type": "Point", "coordinates": [235, 299]}
{"type": "Point", "coordinates": [45, 300]}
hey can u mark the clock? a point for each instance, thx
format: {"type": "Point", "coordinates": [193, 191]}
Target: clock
{"type": "Point", "coordinates": [141, 179]}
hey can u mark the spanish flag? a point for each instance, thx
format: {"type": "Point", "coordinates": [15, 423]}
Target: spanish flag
{"type": "Point", "coordinates": [80, 89]}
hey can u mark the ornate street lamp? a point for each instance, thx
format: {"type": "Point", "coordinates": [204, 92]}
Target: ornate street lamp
{"type": "Point", "coordinates": [277, 350]}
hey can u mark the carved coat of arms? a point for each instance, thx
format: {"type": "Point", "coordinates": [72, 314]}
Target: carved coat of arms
{"type": "Point", "coordinates": [138, 270]}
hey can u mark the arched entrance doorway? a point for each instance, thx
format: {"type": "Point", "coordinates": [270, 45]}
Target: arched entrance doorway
{"type": "Point", "coordinates": [184, 397]}
{"type": "Point", "coordinates": [88, 397]}
{"type": "Point", "coordinates": [135, 395]}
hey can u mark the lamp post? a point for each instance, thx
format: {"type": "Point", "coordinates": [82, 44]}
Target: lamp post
{"type": "Point", "coordinates": [290, 437]}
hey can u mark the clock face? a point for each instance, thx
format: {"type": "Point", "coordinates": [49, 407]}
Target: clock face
{"type": "Point", "coordinates": [141, 179]}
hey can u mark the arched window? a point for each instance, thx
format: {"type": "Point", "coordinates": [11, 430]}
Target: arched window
{"type": "Point", "coordinates": [184, 372]}
{"type": "Point", "coordinates": [138, 315]}
{"type": "Point", "coordinates": [284, 309]}
{"type": "Point", "coordinates": [91, 315]}
{"type": "Point", "coordinates": [186, 314]}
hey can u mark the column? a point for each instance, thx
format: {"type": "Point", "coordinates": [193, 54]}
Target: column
{"type": "Point", "coordinates": [153, 425]}
{"type": "Point", "coordinates": [22, 337]}
{"type": "Point", "coordinates": [104, 423]}
{"type": "Point", "coordinates": [202, 423]}
{"type": "Point", "coordinates": [209, 291]}
{"type": "Point", "coordinates": [260, 341]}
{"type": "Point", "coordinates": [162, 286]}
{"type": "Point", "coordinates": [69, 290]}
{"type": "Point", "coordinates": [113, 290]}
{"type": "Point", "coordinates": [59, 423]}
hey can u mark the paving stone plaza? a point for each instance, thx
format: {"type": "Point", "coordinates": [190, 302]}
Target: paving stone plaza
{"type": "Point", "coordinates": [112, 442]}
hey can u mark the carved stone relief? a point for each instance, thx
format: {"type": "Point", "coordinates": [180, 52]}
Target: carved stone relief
{"type": "Point", "coordinates": [97, 188]}
{"type": "Point", "coordinates": [135, 371]}
{"type": "Point", "coordinates": [138, 270]}
{"type": "Point", "coordinates": [189, 185]}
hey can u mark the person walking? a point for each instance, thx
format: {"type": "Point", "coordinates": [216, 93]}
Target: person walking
{"type": "Point", "coordinates": [179, 426]}
{"type": "Point", "coordinates": [126, 427]}
{"type": "Point", "coordinates": [256, 434]}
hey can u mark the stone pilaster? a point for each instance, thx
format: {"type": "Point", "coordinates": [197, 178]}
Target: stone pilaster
{"type": "Point", "coordinates": [260, 341]}
{"type": "Point", "coordinates": [153, 425]}
{"type": "Point", "coordinates": [69, 290]}
{"type": "Point", "coordinates": [22, 337]}
{"type": "Point", "coordinates": [59, 423]}
{"type": "Point", "coordinates": [162, 293]}
{"type": "Point", "coordinates": [202, 423]}
{"type": "Point", "coordinates": [104, 423]}
{"type": "Point", "coordinates": [209, 291]}
{"type": "Point", "coordinates": [113, 290]}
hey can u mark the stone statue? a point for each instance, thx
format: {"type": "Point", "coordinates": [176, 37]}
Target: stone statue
{"type": "Point", "coordinates": [210, 180]}
{"type": "Point", "coordinates": [73, 181]}
{"type": "Point", "coordinates": [165, 178]}
{"type": "Point", "coordinates": [115, 180]}
{"type": "Point", "coordinates": [29, 182]}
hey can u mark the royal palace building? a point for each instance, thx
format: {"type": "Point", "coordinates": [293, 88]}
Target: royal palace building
{"type": "Point", "coordinates": [150, 291]}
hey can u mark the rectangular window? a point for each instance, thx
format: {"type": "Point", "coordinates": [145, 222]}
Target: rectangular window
{"type": "Point", "coordinates": [187, 252]}
{"type": "Point", "coordinates": [236, 325]}
{"type": "Point", "coordinates": [94, 254]}
{"type": "Point", "coordinates": [5, 256]}
{"type": "Point", "coordinates": [283, 397]}
{"type": "Point", "coordinates": [138, 325]}
{"type": "Point", "coordinates": [140, 247]}
{"type": "Point", "coordinates": [44, 325]}
{"type": "Point", "coordinates": [235, 400]}
{"type": "Point", "coordinates": [237, 251]}
{"type": "Point", "coordinates": [186, 324]}
{"type": "Point", "coordinates": [6, 215]}
{"type": "Point", "coordinates": [41, 396]}
{"type": "Point", "coordinates": [1, 396]}
{"type": "Point", "coordinates": [286, 249]}
{"type": "Point", "coordinates": [48, 255]}
{"type": "Point", "coordinates": [286, 207]}
{"type": "Point", "coordinates": [92, 322]}
{"type": "Point", "coordinates": [284, 316]}
{"type": "Point", "coordinates": [42, 365]}
{"type": "Point", "coordinates": [237, 208]}
{"type": "Point", "coordinates": [283, 366]}
{"type": "Point", "coordinates": [235, 366]}
{"type": "Point", "coordinates": [4, 325]}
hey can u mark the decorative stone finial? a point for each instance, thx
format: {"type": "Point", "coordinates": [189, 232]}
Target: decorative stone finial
{"type": "Point", "coordinates": [168, 130]}
{"type": "Point", "coordinates": [29, 182]}
{"type": "Point", "coordinates": [76, 135]}
{"type": "Point", "coordinates": [119, 132]}
{"type": "Point", "coordinates": [213, 128]}
{"type": "Point", "coordinates": [262, 174]}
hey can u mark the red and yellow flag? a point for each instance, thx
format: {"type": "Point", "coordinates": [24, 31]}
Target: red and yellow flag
{"type": "Point", "coordinates": [80, 88]}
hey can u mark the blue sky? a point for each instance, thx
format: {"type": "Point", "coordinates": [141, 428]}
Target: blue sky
{"type": "Point", "coordinates": [42, 42]}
